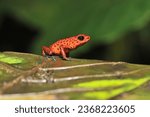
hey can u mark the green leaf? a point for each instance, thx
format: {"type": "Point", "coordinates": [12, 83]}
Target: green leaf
{"type": "Point", "coordinates": [37, 77]}
{"type": "Point", "coordinates": [11, 60]}
{"type": "Point", "coordinates": [123, 85]}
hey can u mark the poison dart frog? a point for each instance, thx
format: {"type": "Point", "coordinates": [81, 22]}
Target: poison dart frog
{"type": "Point", "coordinates": [62, 47]}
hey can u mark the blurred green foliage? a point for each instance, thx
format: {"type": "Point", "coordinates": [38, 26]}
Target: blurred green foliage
{"type": "Point", "coordinates": [104, 20]}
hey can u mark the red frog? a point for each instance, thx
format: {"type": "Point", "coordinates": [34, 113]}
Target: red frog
{"type": "Point", "coordinates": [64, 46]}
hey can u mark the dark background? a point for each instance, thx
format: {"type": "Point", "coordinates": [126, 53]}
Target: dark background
{"type": "Point", "coordinates": [119, 30]}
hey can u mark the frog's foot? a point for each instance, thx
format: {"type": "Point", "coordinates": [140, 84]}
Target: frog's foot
{"type": "Point", "coordinates": [67, 59]}
{"type": "Point", "coordinates": [50, 56]}
{"type": "Point", "coordinates": [53, 58]}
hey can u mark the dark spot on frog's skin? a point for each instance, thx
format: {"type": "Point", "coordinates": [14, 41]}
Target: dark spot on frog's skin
{"type": "Point", "coordinates": [73, 43]}
{"type": "Point", "coordinates": [76, 41]}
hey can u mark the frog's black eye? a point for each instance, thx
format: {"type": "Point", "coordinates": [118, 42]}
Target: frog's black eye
{"type": "Point", "coordinates": [81, 38]}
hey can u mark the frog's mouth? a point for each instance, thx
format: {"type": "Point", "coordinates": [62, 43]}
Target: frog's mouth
{"type": "Point", "coordinates": [88, 38]}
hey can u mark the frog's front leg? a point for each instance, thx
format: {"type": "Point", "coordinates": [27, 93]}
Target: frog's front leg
{"type": "Point", "coordinates": [63, 53]}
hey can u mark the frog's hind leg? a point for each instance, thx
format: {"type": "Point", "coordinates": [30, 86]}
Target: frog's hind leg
{"type": "Point", "coordinates": [46, 51]}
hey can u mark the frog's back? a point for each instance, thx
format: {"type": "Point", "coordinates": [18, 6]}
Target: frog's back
{"type": "Point", "coordinates": [69, 43]}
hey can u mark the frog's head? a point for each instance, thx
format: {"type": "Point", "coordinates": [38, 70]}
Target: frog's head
{"type": "Point", "coordinates": [82, 39]}
{"type": "Point", "coordinates": [77, 41]}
